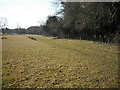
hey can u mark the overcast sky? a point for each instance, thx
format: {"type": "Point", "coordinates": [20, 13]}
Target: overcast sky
{"type": "Point", "coordinates": [25, 13]}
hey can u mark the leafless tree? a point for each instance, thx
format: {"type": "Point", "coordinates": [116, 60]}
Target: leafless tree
{"type": "Point", "coordinates": [3, 23]}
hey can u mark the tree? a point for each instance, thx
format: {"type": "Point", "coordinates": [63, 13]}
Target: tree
{"type": "Point", "coordinates": [91, 21]}
{"type": "Point", "coordinates": [52, 26]}
{"type": "Point", "coordinates": [3, 24]}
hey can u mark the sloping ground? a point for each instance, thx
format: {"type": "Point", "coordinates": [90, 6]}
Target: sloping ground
{"type": "Point", "coordinates": [48, 63]}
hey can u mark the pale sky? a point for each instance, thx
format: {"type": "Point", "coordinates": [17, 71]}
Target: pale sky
{"type": "Point", "coordinates": [25, 13]}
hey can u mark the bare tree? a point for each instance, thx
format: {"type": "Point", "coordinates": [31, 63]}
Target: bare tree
{"type": "Point", "coordinates": [3, 23]}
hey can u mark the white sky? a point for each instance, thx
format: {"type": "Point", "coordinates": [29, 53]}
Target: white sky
{"type": "Point", "coordinates": [25, 13]}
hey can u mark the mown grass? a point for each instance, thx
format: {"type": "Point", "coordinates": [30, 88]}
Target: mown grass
{"type": "Point", "coordinates": [63, 63]}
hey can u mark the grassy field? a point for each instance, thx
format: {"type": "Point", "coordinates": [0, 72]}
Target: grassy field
{"type": "Point", "coordinates": [63, 63]}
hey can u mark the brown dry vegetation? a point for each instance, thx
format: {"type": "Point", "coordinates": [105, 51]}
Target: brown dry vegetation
{"type": "Point", "coordinates": [48, 63]}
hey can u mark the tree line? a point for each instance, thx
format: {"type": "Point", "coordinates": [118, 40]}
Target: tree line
{"type": "Point", "coordinates": [87, 21]}
{"type": "Point", "coordinates": [96, 21]}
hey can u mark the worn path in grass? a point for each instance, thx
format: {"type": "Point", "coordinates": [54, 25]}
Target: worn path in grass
{"type": "Point", "coordinates": [48, 63]}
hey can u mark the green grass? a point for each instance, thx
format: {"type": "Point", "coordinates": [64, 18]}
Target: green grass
{"type": "Point", "coordinates": [63, 63]}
